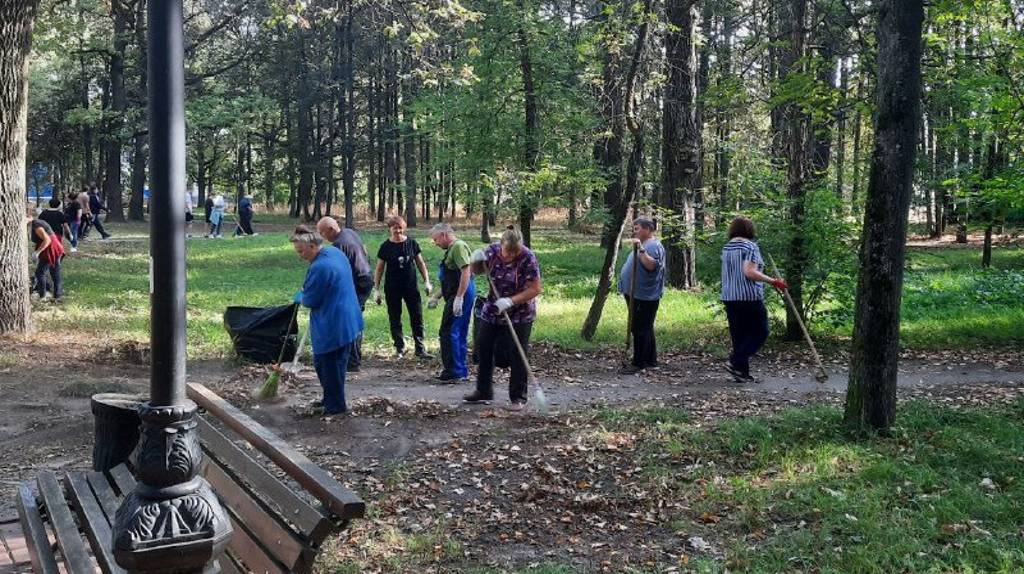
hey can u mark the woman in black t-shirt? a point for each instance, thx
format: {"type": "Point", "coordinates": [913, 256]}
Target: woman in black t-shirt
{"type": "Point", "coordinates": [396, 259]}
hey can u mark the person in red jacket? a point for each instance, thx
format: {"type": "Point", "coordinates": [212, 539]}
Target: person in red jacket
{"type": "Point", "coordinates": [48, 251]}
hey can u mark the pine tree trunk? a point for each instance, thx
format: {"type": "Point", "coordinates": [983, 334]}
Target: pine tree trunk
{"type": "Point", "coordinates": [793, 16]}
{"type": "Point", "coordinates": [16, 21]}
{"type": "Point", "coordinates": [118, 109]}
{"type": "Point", "coordinates": [871, 395]}
{"type": "Point", "coordinates": [531, 148]}
{"type": "Point", "coordinates": [136, 200]}
{"type": "Point", "coordinates": [682, 165]}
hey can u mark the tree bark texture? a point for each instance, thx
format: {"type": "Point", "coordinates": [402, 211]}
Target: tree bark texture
{"type": "Point", "coordinates": [16, 20]}
{"type": "Point", "coordinates": [118, 108]}
{"type": "Point", "coordinates": [871, 395]}
{"type": "Point", "coordinates": [682, 165]}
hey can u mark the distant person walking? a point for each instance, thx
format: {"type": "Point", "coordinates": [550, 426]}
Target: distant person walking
{"type": "Point", "coordinates": [96, 207]}
{"type": "Point", "coordinates": [650, 285]}
{"type": "Point", "coordinates": [335, 320]}
{"type": "Point", "coordinates": [456, 279]}
{"type": "Point", "coordinates": [349, 243]}
{"type": "Point", "coordinates": [73, 213]}
{"type": "Point", "coordinates": [216, 216]}
{"type": "Point", "coordinates": [189, 216]}
{"type": "Point", "coordinates": [208, 209]}
{"type": "Point", "coordinates": [48, 252]}
{"type": "Point", "coordinates": [397, 260]}
{"type": "Point", "coordinates": [515, 273]}
{"type": "Point", "coordinates": [743, 296]}
{"type": "Point", "coordinates": [58, 221]}
{"type": "Point", "coordinates": [83, 200]}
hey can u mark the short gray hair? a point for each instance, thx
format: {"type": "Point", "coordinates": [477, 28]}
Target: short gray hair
{"type": "Point", "coordinates": [441, 229]}
{"type": "Point", "coordinates": [303, 234]}
{"type": "Point", "coordinates": [646, 222]}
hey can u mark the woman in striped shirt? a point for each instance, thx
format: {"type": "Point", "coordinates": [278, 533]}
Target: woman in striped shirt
{"type": "Point", "coordinates": [743, 295]}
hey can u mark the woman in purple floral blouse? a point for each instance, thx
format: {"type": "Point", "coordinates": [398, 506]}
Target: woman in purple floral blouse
{"type": "Point", "coordinates": [515, 273]}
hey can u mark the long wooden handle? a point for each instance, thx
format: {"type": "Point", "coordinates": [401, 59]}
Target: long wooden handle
{"type": "Point", "coordinates": [511, 330]}
{"type": "Point", "coordinates": [799, 320]}
{"type": "Point", "coordinates": [632, 297]}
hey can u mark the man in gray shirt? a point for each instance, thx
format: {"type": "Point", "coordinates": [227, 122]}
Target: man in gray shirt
{"type": "Point", "coordinates": [649, 286]}
{"type": "Point", "coordinates": [348, 241]}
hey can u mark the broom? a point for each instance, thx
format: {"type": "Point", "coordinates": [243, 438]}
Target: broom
{"type": "Point", "coordinates": [821, 376]}
{"type": "Point", "coordinates": [538, 391]}
{"type": "Point", "coordinates": [269, 388]}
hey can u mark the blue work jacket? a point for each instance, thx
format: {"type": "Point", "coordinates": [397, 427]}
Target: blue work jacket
{"type": "Point", "coordinates": [335, 319]}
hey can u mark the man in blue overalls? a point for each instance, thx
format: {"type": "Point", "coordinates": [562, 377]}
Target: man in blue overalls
{"type": "Point", "coordinates": [456, 288]}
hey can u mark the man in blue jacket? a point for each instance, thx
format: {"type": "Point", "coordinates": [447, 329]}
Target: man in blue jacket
{"type": "Point", "coordinates": [335, 320]}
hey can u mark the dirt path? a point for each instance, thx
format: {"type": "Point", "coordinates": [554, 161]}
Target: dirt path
{"type": "Point", "coordinates": [440, 470]}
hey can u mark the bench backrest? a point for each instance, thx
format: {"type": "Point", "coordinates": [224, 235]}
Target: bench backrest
{"type": "Point", "coordinates": [277, 530]}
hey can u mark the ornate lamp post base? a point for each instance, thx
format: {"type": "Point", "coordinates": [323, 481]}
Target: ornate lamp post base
{"type": "Point", "coordinates": [172, 523]}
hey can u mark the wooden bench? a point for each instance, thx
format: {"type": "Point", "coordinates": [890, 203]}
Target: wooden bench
{"type": "Point", "coordinates": [279, 523]}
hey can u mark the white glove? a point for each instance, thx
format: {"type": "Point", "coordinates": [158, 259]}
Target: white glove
{"type": "Point", "coordinates": [428, 287]}
{"type": "Point", "coordinates": [376, 295]}
{"type": "Point", "coordinates": [478, 256]}
{"type": "Point", "coordinates": [457, 307]}
{"type": "Point", "coordinates": [503, 304]}
{"type": "Point", "coordinates": [432, 303]}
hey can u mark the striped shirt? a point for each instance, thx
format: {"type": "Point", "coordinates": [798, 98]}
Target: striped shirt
{"type": "Point", "coordinates": [735, 285]}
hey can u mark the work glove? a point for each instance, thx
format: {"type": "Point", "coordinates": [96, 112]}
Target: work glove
{"type": "Point", "coordinates": [428, 287]}
{"type": "Point", "coordinates": [457, 307]}
{"type": "Point", "coordinates": [779, 284]}
{"type": "Point", "coordinates": [298, 297]}
{"type": "Point", "coordinates": [432, 302]}
{"type": "Point", "coordinates": [503, 304]}
{"type": "Point", "coordinates": [35, 256]}
{"type": "Point", "coordinates": [376, 295]}
{"type": "Point", "coordinates": [478, 256]}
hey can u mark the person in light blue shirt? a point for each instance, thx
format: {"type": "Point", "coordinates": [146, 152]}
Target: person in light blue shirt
{"type": "Point", "coordinates": [649, 287]}
{"type": "Point", "coordinates": [335, 319]}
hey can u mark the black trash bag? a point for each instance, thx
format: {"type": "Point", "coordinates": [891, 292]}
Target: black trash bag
{"type": "Point", "coordinates": [258, 333]}
{"type": "Point", "coordinates": [502, 352]}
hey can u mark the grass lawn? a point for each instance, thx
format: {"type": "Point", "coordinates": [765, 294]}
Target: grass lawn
{"type": "Point", "coordinates": [794, 493]}
{"type": "Point", "coordinates": [949, 301]}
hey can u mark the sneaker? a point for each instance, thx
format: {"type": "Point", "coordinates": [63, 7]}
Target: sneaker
{"type": "Point", "coordinates": [74, 250]}
{"type": "Point", "coordinates": [734, 371]}
{"type": "Point", "coordinates": [630, 369]}
{"type": "Point", "coordinates": [400, 353]}
{"type": "Point", "coordinates": [107, 236]}
{"type": "Point", "coordinates": [351, 369]}
{"type": "Point", "coordinates": [476, 397]}
{"type": "Point", "coordinates": [422, 354]}
{"type": "Point", "coordinates": [516, 406]}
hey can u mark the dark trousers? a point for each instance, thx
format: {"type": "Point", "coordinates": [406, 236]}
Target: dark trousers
{"type": "Point", "coordinates": [42, 269]}
{"type": "Point", "coordinates": [394, 295]}
{"type": "Point", "coordinates": [492, 335]}
{"type": "Point", "coordinates": [244, 226]}
{"type": "Point", "coordinates": [748, 327]}
{"type": "Point", "coordinates": [645, 348]}
{"type": "Point", "coordinates": [84, 225]}
{"type": "Point", "coordinates": [98, 225]}
{"type": "Point", "coordinates": [330, 369]}
{"type": "Point", "coordinates": [355, 357]}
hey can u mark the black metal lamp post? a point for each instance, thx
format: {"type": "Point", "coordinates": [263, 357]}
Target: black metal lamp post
{"type": "Point", "coordinates": [172, 522]}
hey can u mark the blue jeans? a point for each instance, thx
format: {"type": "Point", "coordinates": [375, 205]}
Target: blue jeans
{"type": "Point", "coordinates": [453, 335]}
{"type": "Point", "coordinates": [330, 369]}
{"type": "Point", "coordinates": [748, 327]}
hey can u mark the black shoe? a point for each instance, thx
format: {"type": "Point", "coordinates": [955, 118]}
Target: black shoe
{"type": "Point", "coordinates": [107, 236]}
{"type": "Point", "coordinates": [445, 377]}
{"type": "Point", "coordinates": [423, 354]}
{"type": "Point", "coordinates": [352, 369]}
{"type": "Point", "coordinates": [736, 373]}
{"type": "Point", "coordinates": [476, 397]}
{"type": "Point", "coordinates": [630, 369]}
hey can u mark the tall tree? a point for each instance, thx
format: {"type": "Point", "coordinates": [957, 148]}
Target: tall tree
{"type": "Point", "coordinates": [682, 148]}
{"type": "Point", "coordinates": [118, 106]}
{"type": "Point", "coordinates": [871, 395]}
{"type": "Point", "coordinates": [16, 21]}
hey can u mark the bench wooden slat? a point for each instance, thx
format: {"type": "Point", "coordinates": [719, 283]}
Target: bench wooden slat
{"type": "Point", "coordinates": [248, 551]}
{"type": "Point", "coordinates": [76, 557]}
{"type": "Point", "coordinates": [93, 521]}
{"type": "Point", "coordinates": [228, 565]}
{"type": "Point", "coordinates": [42, 557]}
{"type": "Point", "coordinates": [341, 501]}
{"type": "Point", "coordinates": [293, 508]}
{"type": "Point", "coordinates": [104, 494]}
{"type": "Point", "coordinates": [279, 540]}
{"type": "Point", "coordinates": [123, 479]}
